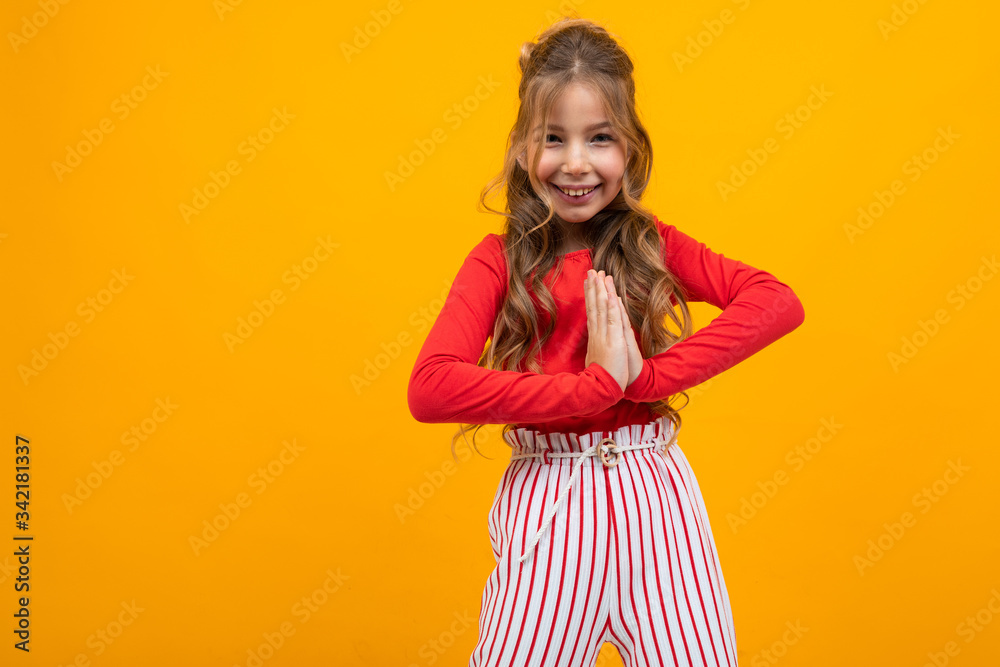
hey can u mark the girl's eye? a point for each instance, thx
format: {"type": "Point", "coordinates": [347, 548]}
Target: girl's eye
{"type": "Point", "coordinates": [600, 138]}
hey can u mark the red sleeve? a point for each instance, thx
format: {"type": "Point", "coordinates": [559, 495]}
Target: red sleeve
{"type": "Point", "coordinates": [446, 385]}
{"type": "Point", "coordinates": [757, 309]}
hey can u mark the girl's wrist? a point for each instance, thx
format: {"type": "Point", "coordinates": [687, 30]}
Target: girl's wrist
{"type": "Point", "coordinates": [635, 386]}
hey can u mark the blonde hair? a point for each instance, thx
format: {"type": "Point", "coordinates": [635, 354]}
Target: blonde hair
{"type": "Point", "coordinates": [625, 241]}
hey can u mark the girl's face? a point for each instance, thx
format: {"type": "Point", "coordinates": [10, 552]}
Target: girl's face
{"type": "Point", "coordinates": [583, 158]}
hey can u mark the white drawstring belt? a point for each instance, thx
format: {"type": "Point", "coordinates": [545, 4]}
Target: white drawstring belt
{"type": "Point", "coordinates": [609, 453]}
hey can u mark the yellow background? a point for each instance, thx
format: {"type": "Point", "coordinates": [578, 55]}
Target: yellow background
{"type": "Point", "coordinates": [351, 117]}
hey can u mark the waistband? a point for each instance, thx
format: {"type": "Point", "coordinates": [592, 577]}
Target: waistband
{"type": "Point", "coordinates": [525, 441]}
{"type": "Point", "coordinates": [602, 447]}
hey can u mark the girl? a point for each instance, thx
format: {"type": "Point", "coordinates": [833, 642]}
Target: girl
{"type": "Point", "coordinates": [598, 525]}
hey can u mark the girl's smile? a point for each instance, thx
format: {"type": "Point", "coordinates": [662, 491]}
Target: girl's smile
{"type": "Point", "coordinates": [576, 195]}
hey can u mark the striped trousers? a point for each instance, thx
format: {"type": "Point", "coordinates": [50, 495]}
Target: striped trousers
{"type": "Point", "coordinates": [628, 558]}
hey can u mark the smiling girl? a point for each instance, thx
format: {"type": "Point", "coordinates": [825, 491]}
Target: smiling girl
{"type": "Point", "coordinates": [598, 525]}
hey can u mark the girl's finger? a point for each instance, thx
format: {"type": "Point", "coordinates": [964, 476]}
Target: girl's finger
{"type": "Point", "coordinates": [613, 297]}
{"type": "Point", "coordinates": [625, 318]}
{"type": "Point", "coordinates": [601, 305]}
{"type": "Point", "coordinates": [613, 316]}
{"type": "Point", "coordinates": [626, 322]}
{"type": "Point", "coordinates": [588, 300]}
{"type": "Point", "coordinates": [630, 337]}
{"type": "Point", "coordinates": [609, 284]}
{"type": "Point", "coordinates": [594, 320]}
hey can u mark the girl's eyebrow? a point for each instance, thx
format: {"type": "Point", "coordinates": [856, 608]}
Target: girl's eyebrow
{"type": "Point", "coordinates": [589, 129]}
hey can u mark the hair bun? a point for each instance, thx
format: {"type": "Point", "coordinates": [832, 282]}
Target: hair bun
{"type": "Point", "coordinates": [526, 50]}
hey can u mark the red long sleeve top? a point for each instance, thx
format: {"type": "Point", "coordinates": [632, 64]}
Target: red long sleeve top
{"type": "Point", "coordinates": [446, 385]}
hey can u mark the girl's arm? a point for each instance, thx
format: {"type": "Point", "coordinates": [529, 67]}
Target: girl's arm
{"type": "Point", "coordinates": [757, 309]}
{"type": "Point", "coordinates": [446, 385]}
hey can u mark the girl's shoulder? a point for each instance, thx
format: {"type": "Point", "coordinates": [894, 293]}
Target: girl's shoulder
{"type": "Point", "coordinates": [673, 240]}
{"type": "Point", "coordinates": [493, 245]}
{"type": "Point", "coordinates": [665, 229]}
{"type": "Point", "coordinates": [490, 253]}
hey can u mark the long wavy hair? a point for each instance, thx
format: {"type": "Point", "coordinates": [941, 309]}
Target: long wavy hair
{"type": "Point", "coordinates": [623, 237]}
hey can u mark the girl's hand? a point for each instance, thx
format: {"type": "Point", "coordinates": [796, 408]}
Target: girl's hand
{"type": "Point", "coordinates": [634, 353]}
{"type": "Point", "coordinates": [606, 341]}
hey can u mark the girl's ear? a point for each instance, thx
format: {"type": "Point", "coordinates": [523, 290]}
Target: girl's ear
{"type": "Point", "coordinates": [520, 162]}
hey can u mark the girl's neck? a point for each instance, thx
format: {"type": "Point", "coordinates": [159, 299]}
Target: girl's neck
{"type": "Point", "coordinates": [572, 238]}
{"type": "Point", "coordinates": [570, 245]}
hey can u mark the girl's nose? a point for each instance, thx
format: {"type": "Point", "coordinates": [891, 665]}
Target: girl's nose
{"type": "Point", "coordinates": [576, 160]}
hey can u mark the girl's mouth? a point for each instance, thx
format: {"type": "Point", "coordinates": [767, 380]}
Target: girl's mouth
{"type": "Point", "coordinates": [585, 194]}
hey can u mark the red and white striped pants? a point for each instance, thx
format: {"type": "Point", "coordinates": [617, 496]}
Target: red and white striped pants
{"type": "Point", "coordinates": [628, 558]}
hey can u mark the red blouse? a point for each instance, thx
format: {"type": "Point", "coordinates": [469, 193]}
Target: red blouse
{"type": "Point", "coordinates": [446, 385]}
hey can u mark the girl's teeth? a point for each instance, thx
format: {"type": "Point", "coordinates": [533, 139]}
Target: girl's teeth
{"type": "Point", "coordinates": [576, 193]}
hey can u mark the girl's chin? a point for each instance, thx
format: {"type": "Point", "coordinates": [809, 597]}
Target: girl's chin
{"type": "Point", "coordinates": [577, 219]}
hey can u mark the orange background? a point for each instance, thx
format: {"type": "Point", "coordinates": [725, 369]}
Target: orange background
{"type": "Point", "coordinates": [346, 271]}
